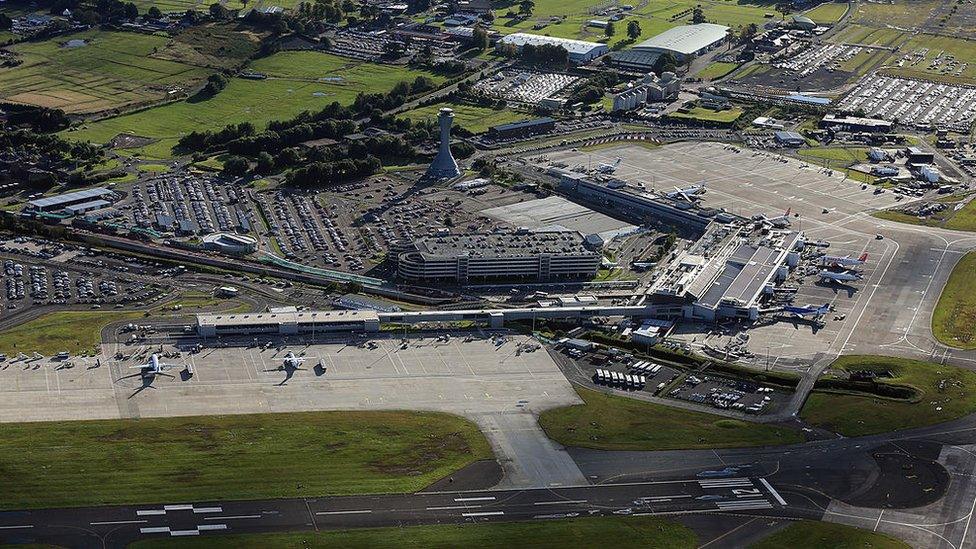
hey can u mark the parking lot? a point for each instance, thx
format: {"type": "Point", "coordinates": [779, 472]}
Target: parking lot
{"type": "Point", "coordinates": [36, 273]}
{"type": "Point", "coordinates": [912, 101]}
{"type": "Point", "coordinates": [189, 205]}
{"type": "Point", "coordinates": [525, 86]}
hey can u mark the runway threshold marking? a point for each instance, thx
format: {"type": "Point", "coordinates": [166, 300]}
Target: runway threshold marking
{"type": "Point", "coordinates": [349, 512]}
{"type": "Point", "coordinates": [775, 494]}
{"type": "Point", "coordinates": [486, 498]}
{"type": "Point", "coordinates": [484, 514]}
{"type": "Point", "coordinates": [106, 522]}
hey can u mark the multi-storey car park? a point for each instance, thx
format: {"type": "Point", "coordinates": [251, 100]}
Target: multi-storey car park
{"type": "Point", "coordinates": [543, 255]}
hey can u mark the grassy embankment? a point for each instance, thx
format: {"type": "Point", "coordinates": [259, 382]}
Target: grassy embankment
{"type": "Point", "coordinates": [933, 393]}
{"type": "Point", "coordinates": [617, 423]}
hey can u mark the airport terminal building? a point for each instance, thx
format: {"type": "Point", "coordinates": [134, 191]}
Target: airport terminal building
{"type": "Point", "coordinates": [536, 256]}
{"type": "Point", "coordinates": [286, 323]}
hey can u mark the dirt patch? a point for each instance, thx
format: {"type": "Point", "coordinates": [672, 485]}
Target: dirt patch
{"type": "Point", "coordinates": [130, 141]}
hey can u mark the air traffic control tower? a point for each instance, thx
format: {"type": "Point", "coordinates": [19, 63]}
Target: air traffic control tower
{"type": "Point", "coordinates": [444, 166]}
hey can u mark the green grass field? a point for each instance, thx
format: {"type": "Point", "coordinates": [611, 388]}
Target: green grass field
{"type": "Point", "coordinates": [153, 460]}
{"type": "Point", "coordinates": [726, 116]}
{"type": "Point", "coordinates": [954, 318]}
{"type": "Point", "coordinates": [296, 87]}
{"type": "Point", "coordinates": [627, 532]}
{"type": "Point", "coordinates": [615, 423]}
{"type": "Point", "coordinates": [900, 14]}
{"type": "Point", "coordinates": [963, 219]}
{"type": "Point", "coordinates": [470, 117]}
{"type": "Point", "coordinates": [72, 331]}
{"type": "Point", "coordinates": [947, 387]}
{"type": "Point", "coordinates": [807, 534]}
{"type": "Point", "coordinates": [835, 157]}
{"type": "Point", "coordinates": [962, 50]}
{"type": "Point", "coordinates": [827, 13]}
{"type": "Point", "coordinates": [567, 18]}
{"type": "Point", "coordinates": [715, 70]}
{"type": "Point", "coordinates": [113, 69]}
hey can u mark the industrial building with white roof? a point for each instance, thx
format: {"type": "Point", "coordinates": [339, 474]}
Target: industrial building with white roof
{"type": "Point", "coordinates": [686, 40]}
{"type": "Point", "coordinates": [580, 51]}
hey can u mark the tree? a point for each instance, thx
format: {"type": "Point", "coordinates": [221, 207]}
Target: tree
{"type": "Point", "coordinates": [154, 13]}
{"type": "Point", "coordinates": [235, 166]}
{"type": "Point", "coordinates": [748, 32]}
{"type": "Point", "coordinates": [131, 11]}
{"type": "Point", "coordinates": [609, 30]}
{"type": "Point", "coordinates": [697, 15]}
{"type": "Point", "coordinates": [665, 63]}
{"type": "Point", "coordinates": [480, 39]}
{"type": "Point", "coordinates": [526, 7]}
{"type": "Point", "coordinates": [218, 11]}
{"type": "Point", "coordinates": [633, 29]}
{"type": "Point", "coordinates": [5, 21]}
{"type": "Point", "coordinates": [266, 163]}
{"type": "Point", "coordinates": [730, 37]}
{"type": "Point", "coordinates": [215, 83]}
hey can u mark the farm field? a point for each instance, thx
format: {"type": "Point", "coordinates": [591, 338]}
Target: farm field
{"type": "Point", "coordinates": [829, 12]}
{"type": "Point", "coordinates": [296, 85]}
{"type": "Point", "coordinates": [906, 15]}
{"type": "Point", "coordinates": [152, 460]}
{"type": "Point", "coordinates": [105, 70]}
{"type": "Point", "coordinates": [470, 117]}
{"type": "Point", "coordinates": [567, 19]}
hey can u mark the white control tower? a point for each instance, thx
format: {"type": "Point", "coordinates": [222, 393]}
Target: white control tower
{"type": "Point", "coordinates": [444, 166]}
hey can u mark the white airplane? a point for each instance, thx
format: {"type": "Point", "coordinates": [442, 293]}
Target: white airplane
{"type": "Point", "coordinates": [292, 361]}
{"type": "Point", "coordinates": [809, 310]}
{"type": "Point", "coordinates": [845, 276]}
{"type": "Point", "coordinates": [844, 261]}
{"type": "Point", "coordinates": [608, 168]}
{"type": "Point", "coordinates": [689, 193]}
{"type": "Point", "coordinates": [154, 366]}
{"type": "Point", "coordinates": [780, 222]}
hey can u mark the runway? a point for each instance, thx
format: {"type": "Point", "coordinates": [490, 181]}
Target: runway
{"type": "Point", "coordinates": [118, 525]}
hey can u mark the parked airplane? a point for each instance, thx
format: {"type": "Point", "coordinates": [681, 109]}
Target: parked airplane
{"type": "Point", "coordinates": [292, 361]}
{"type": "Point", "coordinates": [688, 193]}
{"type": "Point", "coordinates": [844, 276]}
{"type": "Point", "coordinates": [780, 222]}
{"type": "Point", "coordinates": [809, 310]}
{"type": "Point", "coordinates": [154, 366]}
{"type": "Point", "coordinates": [608, 168]}
{"type": "Point", "coordinates": [844, 261]}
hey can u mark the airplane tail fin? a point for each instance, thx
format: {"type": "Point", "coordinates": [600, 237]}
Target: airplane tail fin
{"type": "Point", "coordinates": [788, 210]}
{"type": "Point", "coordinates": [863, 258]}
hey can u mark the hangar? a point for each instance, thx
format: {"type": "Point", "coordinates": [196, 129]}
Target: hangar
{"type": "Point", "coordinates": [685, 41]}
{"type": "Point", "coordinates": [580, 51]}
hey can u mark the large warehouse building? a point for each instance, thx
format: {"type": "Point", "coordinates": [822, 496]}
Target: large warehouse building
{"type": "Point", "coordinates": [685, 41]}
{"type": "Point", "coordinates": [286, 323]}
{"type": "Point", "coordinates": [73, 199]}
{"type": "Point", "coordinates": [580, 51]}
{"type": "Point", "coordinates": [545, 255]}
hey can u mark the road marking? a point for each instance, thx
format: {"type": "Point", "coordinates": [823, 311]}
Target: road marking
{"type": "Point", "coordinates": [212, 527]}
{"type": "Point", "coordinates": [184, 532]}
{"type": "Point", "coordinates": [772, 491]}
{"type": "Point", "coordinates": [350, 512]}
{"type": "Point", "coordinates": [181, 507]}
{"type": "Point", "coordinates": [208, 510]}
{"type": "Point", "coordinates": [486, 498]}
{"type": "Point", "coordinates": [154, 530]}
{"type": "Point", "coordinates": [233, 517]}
{"type": "Point", "coordinates": [452, 507]}
{"type": "Point", "coordinates": [14, 527]}
{"type": "Point", "coordinates": [566, 502]}
{"type": "Point", "coordinates": [118, 522]}
{"type": "Point", "coordinates": [484, 514]}
{"type": "Point", "coordinates": [148, 512]}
